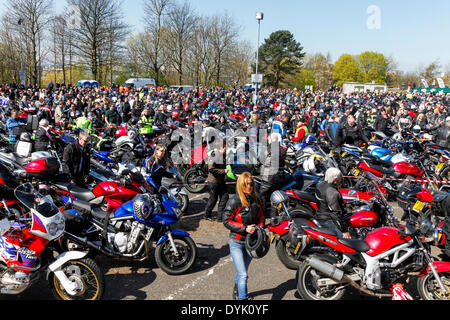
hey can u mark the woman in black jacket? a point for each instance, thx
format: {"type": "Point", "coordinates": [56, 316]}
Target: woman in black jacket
{"type": "Point", "coordinates": [243, 213]}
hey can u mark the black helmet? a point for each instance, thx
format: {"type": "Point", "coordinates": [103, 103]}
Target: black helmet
{"type": "Point", "coordinates": [257, 244]}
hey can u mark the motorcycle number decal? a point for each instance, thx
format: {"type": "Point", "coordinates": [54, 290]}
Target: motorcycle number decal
{"type": "Point", "coordinates": [418, 207]}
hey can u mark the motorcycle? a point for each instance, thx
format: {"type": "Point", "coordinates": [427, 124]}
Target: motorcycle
{"type": "Point", "coordinates": [130, 231]}
{"type": "Point", "coordinates": [29, 250]}
{"type": "Point", "coordinates": [374, 266]}
{"type": "Point", "coordinates": [365, 213]}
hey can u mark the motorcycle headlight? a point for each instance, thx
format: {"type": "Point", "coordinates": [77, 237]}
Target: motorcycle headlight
{"type": "Point", "coordinates": [56, 228]}
{"type": "Point", "coordinates": [143, 206]}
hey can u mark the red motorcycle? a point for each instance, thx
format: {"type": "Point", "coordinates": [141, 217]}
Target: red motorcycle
{"type": "Point", "coordinates": [375, 266]}
{"type": "Point", "coordinates": [366, 213]}
{"type": "Point", "coordinates": [110, 195]}
{"type": "Point", "coordinates": [401, 170]}
{"type": "Point", "coordinates": [417, 201]}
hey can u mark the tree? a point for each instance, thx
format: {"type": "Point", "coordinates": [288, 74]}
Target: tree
{"type": "Point", "coordinates": [223, 34]}
{"type": "Point", "coordinates": [101, 32]}
{"type": "Point", "coordinates": [322, 69]}
{"type": "Point", "coordinates": [347, 69]}
{"type": "Point", "coordinates": [156, 50]}
{"type": "Point", "coordinates": [374, 66]}
{"type": "Point", "coordinates": [181, 23]}
{"type": "Point", "coordinates": [30, 18]}
{"type": "Point", "coordinates": [280, 56]}
{"type": "Point", "coordinates": [430, 72]}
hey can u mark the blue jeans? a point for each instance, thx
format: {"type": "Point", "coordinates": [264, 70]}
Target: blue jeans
{"type": "Point", "coordinates": [241, 260]}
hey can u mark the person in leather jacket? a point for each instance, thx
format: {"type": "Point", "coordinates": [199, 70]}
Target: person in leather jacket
{"type": "Point", "coordinates": [442, 136]}
{"type": "Point", "coordinates": [243, 213]}
{"type": "Point", "coordinates": [76, 160]}
{"type": "Point", "coordinates": [353, 133]}
{"type": "Point", "coordinates": [330, 204]}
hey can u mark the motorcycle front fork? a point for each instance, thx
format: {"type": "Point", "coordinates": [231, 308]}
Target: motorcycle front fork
{"type": "Point", "coordinates": [172, 243]}
{"type": "Point", "coordinates": [433, 270]}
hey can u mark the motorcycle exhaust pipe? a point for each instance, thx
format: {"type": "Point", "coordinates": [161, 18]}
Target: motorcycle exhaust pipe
{"type": "Point", "coordinates": [339, 275]}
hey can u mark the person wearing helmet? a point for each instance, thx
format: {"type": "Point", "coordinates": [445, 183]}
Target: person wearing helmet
{"type": "Point", "coordinates": [242, 214]}
{"type": "Point", "coordinates": [330, 204]}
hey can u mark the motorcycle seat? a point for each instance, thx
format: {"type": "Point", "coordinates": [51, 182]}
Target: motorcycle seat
{"type": "Point", "coordinates": [80, 193]}
{"type": "Point", "coordinates": [301, 215]}
{"type": "Point", "coordinates": [310, 197]}
{"type": "Point", "coordinates": [356, 244]}
{"type": "Point", "coordinates": [91, 209]}
{"type": "Point", "coordinates": [383, 170]}
{"type": "Point", "coordinates": [323, 230]}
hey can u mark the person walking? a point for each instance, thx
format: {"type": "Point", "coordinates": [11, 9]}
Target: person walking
{"type": "Point", "coordinates": [242, 215]}
{"type": "Point", "coordinates": [216, 184]}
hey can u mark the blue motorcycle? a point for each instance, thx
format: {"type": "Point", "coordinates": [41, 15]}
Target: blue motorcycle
{"type": "Point", "coordinates": [129, 232]}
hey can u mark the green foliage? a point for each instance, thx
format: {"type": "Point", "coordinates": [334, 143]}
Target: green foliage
{"type": "Point", "coordinates": [374, 66]}
{"type": "Point", "coordinates": [280, 56]}
{"type": "Point", "coordinates": [347, 69]}
{"type": "Point", "coordinates": [366, 67]}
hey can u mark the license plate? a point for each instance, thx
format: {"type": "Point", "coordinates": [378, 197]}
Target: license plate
{"type": "Point", "coordinates": [357, 172]}
{"type": "Point", "coordinates": [298, 248]}
{"type": "Point", "coordinates": [344, 154]}
{"type": "Point", "coordinates": [439, 167]}
{"type": "Point", "coordinates": [418, 207]}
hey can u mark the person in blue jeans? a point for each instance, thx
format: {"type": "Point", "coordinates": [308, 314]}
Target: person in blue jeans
{"type": "Point", "coordinates": [242, 215]}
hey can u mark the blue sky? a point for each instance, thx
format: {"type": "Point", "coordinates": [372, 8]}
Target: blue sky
{"type": "Point", "coordinates": [414, 32]}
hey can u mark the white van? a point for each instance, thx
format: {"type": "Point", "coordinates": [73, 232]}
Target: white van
{"type": "Point", "coordinates": [140, 83]}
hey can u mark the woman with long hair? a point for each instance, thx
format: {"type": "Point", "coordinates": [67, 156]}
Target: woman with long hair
{"type": "Point", "coordinates": [242, 215]}
{"type": "Point", "coordinates": [158, 166]}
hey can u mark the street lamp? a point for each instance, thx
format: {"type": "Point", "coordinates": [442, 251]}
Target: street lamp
{"type": "Point", "coordinates": [259, 17]}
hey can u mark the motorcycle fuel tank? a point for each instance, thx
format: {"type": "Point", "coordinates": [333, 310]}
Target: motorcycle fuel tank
{"type": "Point", "coordinates": [409, 169]}
{"type": "Point", "coordinates": [363, 218]}
{"type": "Point", "coordinates": [384, 239]}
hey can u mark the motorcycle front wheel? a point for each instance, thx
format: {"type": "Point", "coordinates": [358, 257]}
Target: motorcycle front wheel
{"type": "Point", "coordinates": [285, 253]}
{"type": "Point", "coordinates": [88, 277]}
{"type": "Point", "coordinates": [184, 200]}
{"type": "Point", "coordinates": [172, 264]}
{"type": "Point", "coordinates": [308, 283]}
{"type": "Point", "coordinates": [429, 289]}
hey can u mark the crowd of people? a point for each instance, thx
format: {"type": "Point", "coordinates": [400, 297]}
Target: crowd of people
{"type": "Point", "coordinates": [291, 114]}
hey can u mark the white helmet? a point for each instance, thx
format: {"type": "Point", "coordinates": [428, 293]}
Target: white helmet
{"type": "Point", "coordinates": [311, 165]}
